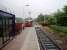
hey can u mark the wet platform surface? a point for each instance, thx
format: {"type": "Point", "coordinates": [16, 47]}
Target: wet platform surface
{"type": "Point", "coordinates": [26, 40]}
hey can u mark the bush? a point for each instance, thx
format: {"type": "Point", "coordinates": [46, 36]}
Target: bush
{"type": "Point", "coordinates": [44, 24]}
{"type": "Point", "coordinates": [62, 21]}
{"type": "Point", "coordinates": [59, 28]}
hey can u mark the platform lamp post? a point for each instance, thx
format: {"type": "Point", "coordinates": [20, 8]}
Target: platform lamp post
{"type": "Point", "coordinates": [29, 11]}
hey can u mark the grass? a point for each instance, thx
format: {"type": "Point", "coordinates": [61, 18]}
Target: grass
{"type": "Point", "coordinates": [59, 28]}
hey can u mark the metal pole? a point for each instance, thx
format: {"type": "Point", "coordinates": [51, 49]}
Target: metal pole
{"type": "Point", "coordinates": [29, 11]}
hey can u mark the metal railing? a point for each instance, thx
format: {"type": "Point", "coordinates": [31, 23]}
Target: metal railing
{"type": "Point", "coordinates": [7, 28]}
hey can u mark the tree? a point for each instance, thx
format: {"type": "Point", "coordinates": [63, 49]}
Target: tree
{"type": "Point", "coordinates": [19, 20]}
{"type": "Point", "coordinates": [58, 15]}
{"type": "Point", "coordinates": [58, 18]}
{"type": "Point", "coordinates": [40, 18]}
{"type": "Point", "coordinates": [65, 9]}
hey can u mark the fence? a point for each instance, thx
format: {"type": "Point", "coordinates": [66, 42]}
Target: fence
{"type": "Point", "coordinates": [7, 28]}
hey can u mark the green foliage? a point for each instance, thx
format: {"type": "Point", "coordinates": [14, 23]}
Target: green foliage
{"type": "Point", "coordinates": [61, 18]}
{"type": "Point", "coordinates": [62, 21]}
{"type": "Point", "coordinates": [58, 15]}
{"type": "Point", "coordinates": [65, 9]}
{"type": "Point", "coordinates": [40, 18]}
{"type": "Point", "coordinates": [59, 28]}
{"type": "Point", "coordinates": [58, 18]}
{"type": "Point", "coordinates": [51, 20]}
{"type": "Point", "coordinates": [19, 20]}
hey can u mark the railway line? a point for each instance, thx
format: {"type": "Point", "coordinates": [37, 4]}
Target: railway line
{"type": "Point", "coordinates": [44, 41]}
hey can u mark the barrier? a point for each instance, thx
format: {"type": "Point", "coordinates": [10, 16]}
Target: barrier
{"type": "Point", "coordinates": [7, 28]}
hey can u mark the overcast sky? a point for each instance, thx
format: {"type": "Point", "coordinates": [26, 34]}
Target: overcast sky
{"type": "Point", "coordinates": [36, 7]}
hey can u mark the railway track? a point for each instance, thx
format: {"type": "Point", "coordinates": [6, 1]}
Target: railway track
{"type": "Point", "coordinates": [45, 42]}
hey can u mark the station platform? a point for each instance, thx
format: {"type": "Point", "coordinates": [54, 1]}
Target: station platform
{"type": "Point", "coordinates": [26, 40]}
